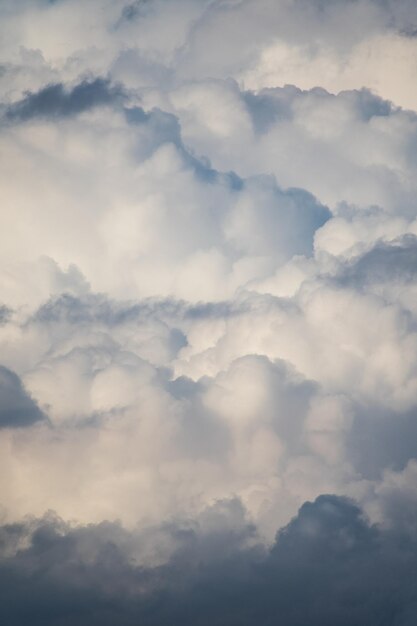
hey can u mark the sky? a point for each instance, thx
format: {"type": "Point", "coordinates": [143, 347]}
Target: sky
{"type": "Point", "coordinates": [208, 312]}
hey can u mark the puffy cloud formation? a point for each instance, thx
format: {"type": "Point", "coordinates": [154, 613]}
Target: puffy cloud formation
{"type": "Point", "coordinates": [208, 311]}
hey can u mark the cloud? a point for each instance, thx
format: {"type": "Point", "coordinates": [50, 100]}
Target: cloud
{"type": "Point", "coordinates": [214, 226]}
{"type": "Point", "coordinates": [17, 409]}
{"type": "Point", "coordinates": [208, 311]}
{"type": "Point", "coordinates": [327, 566]}
{"type": "Point", "coordinates": [53, 101]}
{"type": "Point", "coordinates": [391, 262]}
{"type": "Point", "coordinates": [4, 314]}
{"type": "Point", "coordinates": [337, 146]}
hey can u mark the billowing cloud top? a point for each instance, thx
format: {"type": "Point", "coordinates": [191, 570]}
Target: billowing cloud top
{"type": "Point", "coordinates": [208, 312]}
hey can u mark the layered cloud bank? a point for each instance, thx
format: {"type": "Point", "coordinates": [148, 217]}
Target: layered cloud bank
{"type": "Point", "coordinates": [208, 312]}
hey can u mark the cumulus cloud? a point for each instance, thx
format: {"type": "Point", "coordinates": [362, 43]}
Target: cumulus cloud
{"type": "Point", "coordinates": [208, 311]}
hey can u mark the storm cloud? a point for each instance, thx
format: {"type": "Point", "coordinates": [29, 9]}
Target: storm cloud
{"type": "Point", "coordinates": [327, 566]}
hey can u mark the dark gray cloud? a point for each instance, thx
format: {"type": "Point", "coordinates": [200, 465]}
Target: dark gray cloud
{"type": "Point", "coordinates": [328, 567]}
{"type": "Point", "coordinates": [75, 310]}
{"type": "Point", "coordinates": [135, 9]}
{"type": "Point", "coordinates": [5, 314]}
{"type": "Point", "coordinates": [380, 439]}
{"type": "Point", "coordinates": [157, 128]}
{"type": "Point", "coordinates": [270, 105]}
{"type": "Point", "coordinates": [83, 310]}
{"type": "Point", "coordinates": [387, 262]}
{"type": "Point", "coordinates": [397, 14]}
{"type": "Point", "coordinates": [367, 103]}
{"type": "Point", "coordinates": [17, 409]}
{"type": "Point", "coordinates": [79, 311]}
{"type": "Point", "coordinates": [55, 101]}
{"type": "Point", "coordinates": [273, 105]}
{"type": "Point", "coordinates": [402, 14]}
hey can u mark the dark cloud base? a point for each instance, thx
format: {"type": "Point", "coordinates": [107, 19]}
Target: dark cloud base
{"type": "Point", "coordinates": [328, 567]}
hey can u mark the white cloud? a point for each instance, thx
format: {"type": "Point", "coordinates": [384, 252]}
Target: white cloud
{"type": "Point", "coordinates": [209, 277]}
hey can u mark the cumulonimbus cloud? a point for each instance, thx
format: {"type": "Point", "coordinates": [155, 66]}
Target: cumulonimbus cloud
{"type": "Point", "coordinates": [208, 311]}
